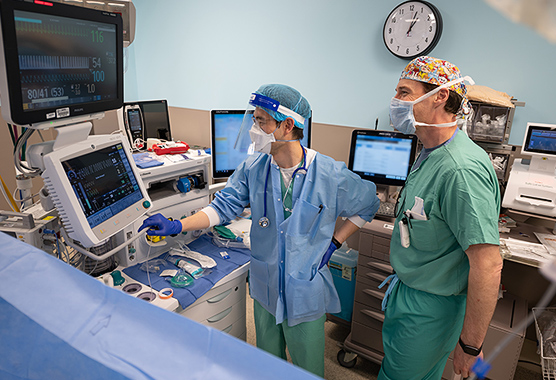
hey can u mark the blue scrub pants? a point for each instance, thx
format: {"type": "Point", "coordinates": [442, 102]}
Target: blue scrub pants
{"type": "Point", "coordinates": [305, 341]}
{"type": "Point", "coordinates": [420, 331]}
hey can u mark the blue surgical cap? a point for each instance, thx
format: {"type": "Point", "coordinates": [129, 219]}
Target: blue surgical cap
{"type": "Point", "coordinates": [289, 98]}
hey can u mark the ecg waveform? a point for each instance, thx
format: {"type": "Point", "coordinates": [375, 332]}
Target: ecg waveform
{"type": "Point", "coordinates": [94, 168]}
{"type": "Point", "coordinates": [43, 62]}
{"type": "Point", "coordinates": [46, 28]}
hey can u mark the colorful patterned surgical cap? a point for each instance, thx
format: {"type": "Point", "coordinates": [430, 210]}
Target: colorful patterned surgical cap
{"type": "Point", "coordinates": [436, 71]}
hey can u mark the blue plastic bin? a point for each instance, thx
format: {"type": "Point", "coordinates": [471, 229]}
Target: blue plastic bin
{"type": "Point", "coordinates": [343, 266]}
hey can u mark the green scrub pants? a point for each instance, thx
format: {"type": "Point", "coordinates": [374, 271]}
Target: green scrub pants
{"type": "Point", "coordinates": [305, 341]}
{"type": "Point", "coordinates": [420, 330]}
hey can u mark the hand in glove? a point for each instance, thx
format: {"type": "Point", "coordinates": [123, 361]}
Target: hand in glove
{"type": "Point", "coordinates": [161, 226]}
{"type": "Point", "coordinates": [334, 245]}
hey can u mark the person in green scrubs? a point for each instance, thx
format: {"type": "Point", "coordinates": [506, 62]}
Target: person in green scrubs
{"type": "Point", "coordinates": [444, 248]}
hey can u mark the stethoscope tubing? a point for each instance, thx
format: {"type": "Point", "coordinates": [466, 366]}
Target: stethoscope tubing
{"type": "Point", "coordinates": [263, 221]}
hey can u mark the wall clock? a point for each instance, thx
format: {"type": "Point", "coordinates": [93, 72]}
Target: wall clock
{"type": "Point", "coordinates": [412, 29]}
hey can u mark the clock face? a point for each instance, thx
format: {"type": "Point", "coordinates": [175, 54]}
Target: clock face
{"type": "Point", "coordinates": [412, 29]}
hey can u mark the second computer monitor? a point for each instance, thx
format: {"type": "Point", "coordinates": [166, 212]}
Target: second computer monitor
{"type": "Point", "coordinates": [156, 119]}
{"type": "Point", "coordinates": [225, 125]}
{"type": "Point", "coordinates": [383, 157]}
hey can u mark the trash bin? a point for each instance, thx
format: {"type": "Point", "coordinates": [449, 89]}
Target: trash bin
{"type": "Point", "coordinates": [343, 267]}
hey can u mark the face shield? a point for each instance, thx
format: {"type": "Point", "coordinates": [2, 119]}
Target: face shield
{"type": "Point", "coordinates": [257, 128]}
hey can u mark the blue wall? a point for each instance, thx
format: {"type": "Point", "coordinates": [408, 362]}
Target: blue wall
{"type": "Point", "coordinates": [213, 54]}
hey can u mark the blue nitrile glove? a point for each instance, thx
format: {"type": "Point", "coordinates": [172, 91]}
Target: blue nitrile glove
{"type": "Point", "coordinates": [328, 254]}
{"type": "Point", "coordinates": [161, 226]}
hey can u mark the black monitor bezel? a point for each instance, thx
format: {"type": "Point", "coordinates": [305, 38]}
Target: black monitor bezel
{"type": "Point", "coordinates": [17, 114]}
{"type": "Point", "coordinates": [532, 127]}
{"type": "Point", "coordinates": [229, 172]}
{"type": "Point", "coordinates": [141, 105]}
{"type": "Point", "coordinates": [374, 132]}
{"type": "Point", "coordinates": [213, 113]}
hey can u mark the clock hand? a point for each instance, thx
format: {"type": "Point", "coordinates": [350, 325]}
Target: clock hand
{"type": "Point", "coordinates": [412, 23]}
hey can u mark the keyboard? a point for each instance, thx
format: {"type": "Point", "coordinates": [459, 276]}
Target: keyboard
{"type": "Point", "coordinates": [386, 209]}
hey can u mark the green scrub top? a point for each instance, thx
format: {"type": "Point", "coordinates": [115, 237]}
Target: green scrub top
{"type": "Point", "coordinates": [461, 201]}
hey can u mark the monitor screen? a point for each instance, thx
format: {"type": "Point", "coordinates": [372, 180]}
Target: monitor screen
{"type": "Point", "coordinates": [540, 139]}
{"type": "Point", "coordinates": [383, 157]}
{"type": "Point", "coordinates": [103, 182]}
{"type": "Point", "coordinates": [60, 61]}
{"type": "Point", "coordinates": [95, 187]}
{"type": "Point", "coordinates": [225, 125]}
{"type": "Point", "coordinates": [156, 119]}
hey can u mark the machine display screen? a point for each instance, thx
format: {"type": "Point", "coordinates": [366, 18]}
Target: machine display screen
{"type": "Point", "coordinates": [64, 61]}
{"type": "Point", "coordinates": [540, 139]}
{"type": "Point", "coordinates": [381, 156]}
{"type": "Point", "coordinates": [225, 126]}
{"type": "Point", "coordinates": [103, 182]}
{"type": "Point", "coordinates": [61, 61]}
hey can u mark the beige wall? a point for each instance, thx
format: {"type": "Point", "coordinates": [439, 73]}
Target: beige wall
{"type": "Point", "coordinates": [188, 125]}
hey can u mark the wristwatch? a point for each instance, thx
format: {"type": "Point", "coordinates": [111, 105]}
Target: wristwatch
{"type": "Point", "coordinates": [470, 350]}
{"type": "Point", "coordinates": [336, 242]}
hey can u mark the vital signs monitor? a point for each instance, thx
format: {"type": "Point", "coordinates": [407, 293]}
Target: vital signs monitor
{"type": "Point", "coordinates": [58, 61]}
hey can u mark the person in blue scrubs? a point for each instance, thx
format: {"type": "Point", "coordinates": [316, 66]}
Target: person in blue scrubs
{"type": "Point", "coordinates": [296, 195]}
{"type": "Point", "coordinates": [444, 248]}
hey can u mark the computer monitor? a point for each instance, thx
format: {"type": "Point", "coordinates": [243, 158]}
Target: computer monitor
{"type": "Point", "coordinates": [383, 157]}
{"type": "Point", "coordinates": [95, 187]}
{"type": "Point", "coordinates": [58, 62]}
{"type": "Point", "coordinates": [155, 117]}
{"type": "Point", "coordinates": [224, 126]}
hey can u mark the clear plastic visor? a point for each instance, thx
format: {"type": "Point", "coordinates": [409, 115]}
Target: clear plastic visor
{"type": "Point", "coordinates": [261, 119]}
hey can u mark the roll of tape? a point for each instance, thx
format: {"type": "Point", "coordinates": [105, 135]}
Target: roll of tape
{"type": "Point", "coordinates": [162, 294]}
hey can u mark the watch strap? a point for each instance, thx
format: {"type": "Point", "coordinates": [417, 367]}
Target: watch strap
{"type": "Point", "coordinates": [470, 350]}
{"type": "Point", "coordinates": [336, 242]}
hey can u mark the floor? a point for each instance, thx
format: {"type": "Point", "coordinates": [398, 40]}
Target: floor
{"type": "Point", "coordinates": [364, 369]}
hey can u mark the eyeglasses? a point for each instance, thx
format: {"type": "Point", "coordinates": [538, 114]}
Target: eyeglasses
{"type": "Point", "coordinates": [260, 122]}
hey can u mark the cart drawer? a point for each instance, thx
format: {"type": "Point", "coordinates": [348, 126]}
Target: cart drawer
{"type": "Point", "coordinates": [367, 336]}
{"type": "Point", "coordinates": [368, 316]}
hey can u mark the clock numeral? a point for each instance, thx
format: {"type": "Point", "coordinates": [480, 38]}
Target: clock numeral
{"type": "Point", "coordinates": [391, 40]}
{"type": "Point", "coordinates": [430, 28]}
{"type": "Point", "coordinates": [417, 47]}
{"type": "Point", "coordinates": [429, 18]}
{"type": "Point", "coordinates": [401, 11]}
{"type": "Point", "coordinates": [407, 51]}
{"type": "Point", "coordinates": [389, 30]}
{"type": "Point", "coordinates": [427, 39]}
{"type": "Point", "coordinates": [398, 49]}
{"type": "Point", "coordinates": [422, 9]}
{"type": "Point", "coordinates": [393, 20]}
{"type": "Point", "coordinates": [411, 8]}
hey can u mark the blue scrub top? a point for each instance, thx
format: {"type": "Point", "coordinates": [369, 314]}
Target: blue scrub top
{"type": "Point", "coordinates": [284, 275]}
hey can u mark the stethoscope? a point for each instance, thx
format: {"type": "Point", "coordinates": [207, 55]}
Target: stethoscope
{"type": "Point", "coordinates": [263, 221]}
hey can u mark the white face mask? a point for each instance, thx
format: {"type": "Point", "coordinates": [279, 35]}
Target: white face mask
{"type": "Point", "coordinates": [401, 111]}
{"type": "Point", "coordinates": [261, 141]}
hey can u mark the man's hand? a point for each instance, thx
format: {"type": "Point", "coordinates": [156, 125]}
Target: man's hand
{"type": "Point", "coordinates": [464, 362]}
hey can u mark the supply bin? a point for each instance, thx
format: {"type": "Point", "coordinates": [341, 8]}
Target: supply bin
{"type": "Point", "coordinates": [343, 266]}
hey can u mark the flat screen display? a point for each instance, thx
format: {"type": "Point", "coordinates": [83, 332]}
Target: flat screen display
{"type": "Point", "coordinates": [225, 126]}
{"type": "Point", "coordinates": [382, 157]}
{"type": "Point", "coordinates": [156, 119]}
{"type": "Point", "coordinates": [103, 183]}
{"type": "Point", "coordinates": [60, 61]}
{"type": "Point", "coordinates": [540, 139]}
